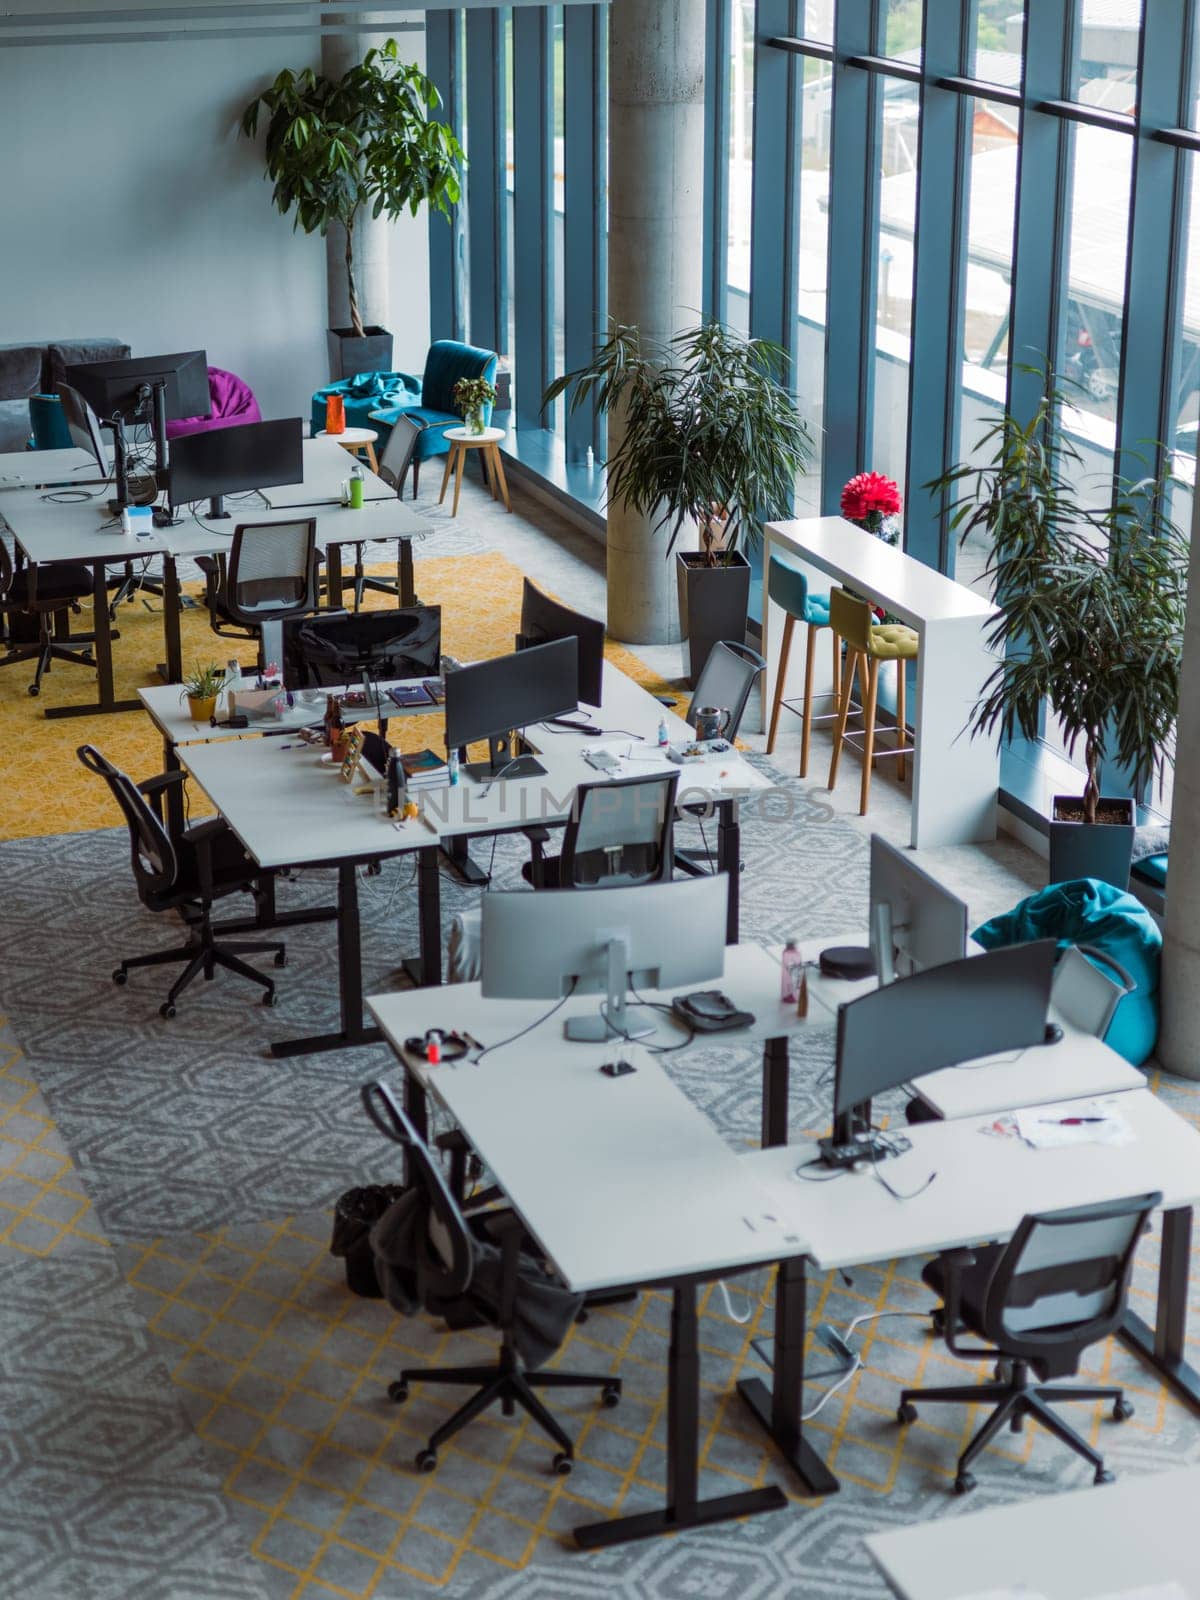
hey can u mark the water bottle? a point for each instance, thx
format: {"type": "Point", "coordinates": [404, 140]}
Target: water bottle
{"type": "Point", "coordinates": [452, 765]}
{"type": "Point", "coordinates": [357, 486]}
{"type": "Point", "coordinates": [791, 967]}
{"type": "Point", "coordinates": [664, 738]}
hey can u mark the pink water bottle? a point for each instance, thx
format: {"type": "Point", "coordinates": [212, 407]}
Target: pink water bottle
{"type": "Point", "coordinates": [791, 973]}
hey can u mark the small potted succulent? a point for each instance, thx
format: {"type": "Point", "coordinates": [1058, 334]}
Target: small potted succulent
{"type": "Point", "coordinates": [473, 397]}
{"type": "Point", "coordinates": [200, 689]}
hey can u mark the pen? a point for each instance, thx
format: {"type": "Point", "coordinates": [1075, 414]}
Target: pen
{"type": "Point", "coordinates": [1068, 1122]}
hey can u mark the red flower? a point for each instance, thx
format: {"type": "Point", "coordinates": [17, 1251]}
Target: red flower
{"type": "Point", "coordinates": [867, 492]}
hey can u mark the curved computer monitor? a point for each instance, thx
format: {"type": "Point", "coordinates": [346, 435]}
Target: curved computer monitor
{"type": "Point", "coordinates": [916, 923]}
{"type": "Point", "coordinates": [543, 620]}
{"type": "Point", "coordinates": [337, 647]}
{"type": "Point", "coordinates": [84, 426]}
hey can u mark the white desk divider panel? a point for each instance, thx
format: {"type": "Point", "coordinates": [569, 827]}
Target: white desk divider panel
{"type": "Point", "coordinates": [955, 776]}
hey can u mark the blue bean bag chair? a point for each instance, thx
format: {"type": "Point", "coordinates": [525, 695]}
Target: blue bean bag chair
{"type": "Point", "coordinates": [1086, 911]}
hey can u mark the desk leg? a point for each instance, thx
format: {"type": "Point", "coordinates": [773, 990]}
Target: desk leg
{"type": "Point", "coordinates": [103, 634]}
{"type": "Point", "coordinates": [171, 670]}
{"type": "Point", "coordinates": [333, 575]}
{"type": "Point", "coordinates": [426, 970]}
{"type": "Point", "coordinates": [459, 857]}
{"type": "Point", "coordinates": [684, 1508]}
{"type": "Point", "coordinates": [775, 1084]}
{"type": "Point", "coordinates": [1163, 1347]}
{"type": "Point", "coordinates": [729, 851]}
{"type": "Point", "coordinates": [780, 1407]}
{"type": "Point", "coordinates": [404, 563]}
{"type": "Point", "coordinates": [353, 1030]}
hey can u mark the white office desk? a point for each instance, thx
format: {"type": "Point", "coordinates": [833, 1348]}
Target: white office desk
{"type": "Point", "coordinates": [27, 469]}
{"type": "Point", "coordinates": [1122, 1537]}
{"type": "Point", "coordinates": [955, 777]}
{"type": "Point", "coordinates": [326, 468]}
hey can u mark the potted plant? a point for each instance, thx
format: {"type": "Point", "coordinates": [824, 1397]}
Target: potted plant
{"type": "Point", "coordinates": [1090, 622]}
{"type": "Point", "coordinates": [200, 689]}
{"type": "Point", "coordinates": [472, 396]}
{"type": "Point", "coordinates": [711, 439]}
{"type": "Point", "coordinates": [334, 146]}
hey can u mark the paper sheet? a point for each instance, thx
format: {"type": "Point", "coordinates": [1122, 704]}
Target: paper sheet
{"type": "Point", "coordinates": [1149, 1591]}
{"type": "Point", "coordinates": [1069, 1122]}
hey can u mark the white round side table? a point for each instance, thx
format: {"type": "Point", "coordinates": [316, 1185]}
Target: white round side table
{"type": "Point", "coordinates": [461, 440]}
{"type": "Point", "coordinates": [359, 442]}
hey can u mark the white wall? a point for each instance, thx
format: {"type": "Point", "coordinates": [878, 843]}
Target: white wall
{"type": "Point", "coordinates": [134, 208]}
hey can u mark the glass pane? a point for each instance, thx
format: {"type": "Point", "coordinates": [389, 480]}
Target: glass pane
{"type": "Point", "coordinates": [894, 284]}
{"type": "Point", "coordinates": [741, 154]}
{"type": "Point", "coordinates": [991, 212]}
{"type": "Point", "coordinates": [902, 29]}
{"type": "Point", "coordinates": [553, 414]}
{"type": "Point", "coordinates": [998, 30]}
{"type": "Point", "coordinates": [816, 20]}
{"type": "Point", "coordinates": [509, 173]}
{"type": "Point", "coordinates": [809, 373]}
{"type": "Point", "coordinates": [1106, 73]}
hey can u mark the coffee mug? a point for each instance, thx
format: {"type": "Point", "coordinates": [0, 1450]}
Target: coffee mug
{"type": "Point", "coordinates": [711, 722]}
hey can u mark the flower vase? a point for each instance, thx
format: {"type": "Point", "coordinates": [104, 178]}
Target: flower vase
{"type": "Point", "coordinates": [474, 420]}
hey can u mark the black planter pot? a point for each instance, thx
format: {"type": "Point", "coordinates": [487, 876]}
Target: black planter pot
{"type": "Point", "coordinates": [1091, 849]}
{"type": "Point", "coordinates": [714, 603]}
{"type": "Point", "coordinates": [350, 353]}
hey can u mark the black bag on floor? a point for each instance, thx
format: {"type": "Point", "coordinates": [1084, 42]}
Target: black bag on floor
{"type": "Point", "coordinates": [354, 1215]}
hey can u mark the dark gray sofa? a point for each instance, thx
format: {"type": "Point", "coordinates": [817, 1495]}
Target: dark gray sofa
{"type": "Point", "coordinates": [27, 369]}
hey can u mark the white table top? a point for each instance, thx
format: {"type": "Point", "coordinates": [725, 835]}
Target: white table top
{"type": "Point", "coordinates": [465, 436]}
{"type": "Point", "coordinates": [751, 980]}
{"type": "Point", "coordinates": [170, 715]}
{"type": "Point", "coordinates": [1120, 1537]}
{"type": "Point", "coordinates": [286, 809]}
{"type": "Point", "coordinates": [349, 436]}
{"type": "Point", "coordinates": [621, 1180]}
{"type": "Point", "coordinates": [325, 468]}
{"type": "Point", "coordinates": [984, 1184]}
{"type": "Point", "coordinates": [899, 582]}
{"type": "Point", "coordinates": [28, 468]}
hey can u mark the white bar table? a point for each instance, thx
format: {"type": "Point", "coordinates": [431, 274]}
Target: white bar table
{"type": "Point", "coordinates": [955, 776]}
{"type": "Point", "coordinates": [1123, 1537]}
{"type": "Point", "coordinates": [32, 469]}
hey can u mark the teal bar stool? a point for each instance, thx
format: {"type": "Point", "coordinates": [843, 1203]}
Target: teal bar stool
{"type": "Point", "coordinates": [788, 587]}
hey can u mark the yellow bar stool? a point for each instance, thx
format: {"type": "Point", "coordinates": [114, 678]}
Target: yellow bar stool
{"type": "Point", "coordinates": [788, 588]}
{"type": "Point", "coordinates": [867, 644]}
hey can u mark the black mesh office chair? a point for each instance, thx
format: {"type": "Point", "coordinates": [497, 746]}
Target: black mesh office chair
{"type": "Point", "coordinates": [269, 575]}
{"type": "Point", "coordinates": [1057, 1287]}
{"type": "Point", "coordinates": [620, 833]}
{"type": "Point", "coordinates": [725, 683]}
{"type": "Point", "coordinates": [42, 596]}
{"type": "Point", "coordinates": [474, 1273]}
{"type": "Point", "coordinates": [207, 864]}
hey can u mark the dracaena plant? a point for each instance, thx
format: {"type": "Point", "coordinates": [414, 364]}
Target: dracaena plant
{"type": "Point", "coordinates": [367, 138]}
{"type": "Point", "coordinates": [1091, 602]}
{"type": "Point", "coordinates": [710, 433]}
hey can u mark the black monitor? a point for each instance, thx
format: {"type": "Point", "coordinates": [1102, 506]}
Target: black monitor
{"type": "Point", "coordinates": [221, 461]}
{"type": "Point", "coordinates": [954, 1012]}
{"type": "Point", "coordinates": [123, 388]}
{"type": "Point", "coordinates": [494, 698]}
{"type": "Point", "coordinates": [84, 426]}
{"type": "Point", "coordinates": [543, 620]}
{"type": "Point", "coordinates": [337, 647]}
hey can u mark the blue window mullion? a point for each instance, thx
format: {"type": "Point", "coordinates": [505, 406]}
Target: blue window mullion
{"type": "Point", "coordinates": [583, 206]}
{"type": "Point", "coordinates": [486, 250]}
{"type": "Point", "coordinates": [446, 287]}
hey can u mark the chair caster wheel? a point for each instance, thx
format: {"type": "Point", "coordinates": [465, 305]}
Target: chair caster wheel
{"type": "Point", "coordinates": [964, 1483]}
{"type": "Point", "coordinates": [563, 1464]}
{"type": "Point", "coordinates": [34, 689]}
{"type": "Point", "coordinates": [1104, 1476]}
{"type": "Point", "coordinates": [1121, 1411]}
{"type": "Point", "coordinates": [270, 998]}
{"type": "Point", "coordinates": [610, 1395]}
{"type": "Point", "coordinates": [281, 959]}
{"type": "Point", "coordinates": [120, 977]}
{"type": "Point", "coordinates": [937, 1318]}
{"type": "Point", "coordinates": [398, 1391]}
{"type": "Point", "coordinates": [581, 1315]}
{"type": "Point", "coordinates": [426, 1460]}
{"type": "Point", "coordinates": [166, 1010]}
{"type": "Point", "coordinates": [906, 1412]}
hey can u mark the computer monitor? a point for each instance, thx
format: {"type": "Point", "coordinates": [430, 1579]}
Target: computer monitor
{"type": "Point", "coordinates": [221, 461]}
{"type": "Point", "coordinates": [603, 941]}
{"type": "Point", "coordinates": [915, 923]}
{"type": "Point", "coordinates": [84, 426]}
{"type": "Point", "coordinates": [543, 620]}
{"type": "Point", "coordinates": [493, 699]}
{"type": "Point", "coordinates": [337, 647]}
{"type": "Point", "coordinates": [143, 389]}
{"type": "Point", "coordinates": [956, 1011]}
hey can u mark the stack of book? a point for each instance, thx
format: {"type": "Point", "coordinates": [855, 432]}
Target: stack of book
{"type": "Point", "coordinates": [424, 769]}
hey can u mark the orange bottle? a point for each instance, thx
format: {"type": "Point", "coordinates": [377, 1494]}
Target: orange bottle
{"type": "Point", "coordinates": [335, 414]}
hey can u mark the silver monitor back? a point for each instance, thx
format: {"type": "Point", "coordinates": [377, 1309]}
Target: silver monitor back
{"type": "Point", "coordinates": [654, 936]}
{"type": "Point", "coordinates": [916, 923]}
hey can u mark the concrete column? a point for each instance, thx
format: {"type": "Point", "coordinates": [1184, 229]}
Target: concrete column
{"type": "Point", "coordinates": [655, 252]}
{"type": "Point", "coordinates": [340, 52]}
{"type": "Point", "coordinates": [1179, 1039]}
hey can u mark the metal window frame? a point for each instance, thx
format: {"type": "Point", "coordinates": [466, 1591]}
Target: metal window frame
{"type": "Point", "coordinates": [774, 185]}
{"type": "Point", "coordinates": [533, 211]}
{"type": "Point", "coordinates": [447, 286]}
{"type": "Point", "coordinates": [585, 209]}
{"type": "Point", "coordinates": [718, 44]}
{"type": "Point", "coordinates": [487, 214]}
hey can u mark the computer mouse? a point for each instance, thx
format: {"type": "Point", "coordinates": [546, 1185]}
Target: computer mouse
{"type": "Point", "coordinates": [1053, 1033]}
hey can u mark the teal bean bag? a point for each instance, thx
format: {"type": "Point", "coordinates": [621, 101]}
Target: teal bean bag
{"type": "Point", "coordinates": [1086, 911]}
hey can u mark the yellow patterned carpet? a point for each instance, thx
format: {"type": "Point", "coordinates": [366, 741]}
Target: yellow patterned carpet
{"type": "Point", "coordinates": [47, 791]}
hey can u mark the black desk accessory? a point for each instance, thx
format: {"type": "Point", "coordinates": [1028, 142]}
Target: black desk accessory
{"type": "Point", "coordinates": [851, 962]}
{"type": "Point", "coordinates": [617, 1069]}
{"type": "Point", "coordinates": [451, 1045]}
{"type": "Point", "coordinates": [710, 1011]}
{"type": "Point", "coordinates": [1053, 1033]}
{"type": "Point", "coordinates": [864, 1146]}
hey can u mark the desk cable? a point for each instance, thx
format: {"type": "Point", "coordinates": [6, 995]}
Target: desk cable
{"type": "Point", "coordinates": [545, 1017]}
{"type": "Point", "coordinates": [867, 1316]}
{"type": "Point", "coordinates": [652, 1049]}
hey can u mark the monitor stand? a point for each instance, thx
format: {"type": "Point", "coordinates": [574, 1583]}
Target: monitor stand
{"type": "Point", "coordinates": [613, 1021]}
{"type": "Point", "coordinates": [882, 946]}
{"type": "Point", "coordinates": [216, 509]}
{"type": "Point", "coordinates": [502, 761]}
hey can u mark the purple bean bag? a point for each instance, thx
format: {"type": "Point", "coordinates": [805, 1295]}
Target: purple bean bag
{"type": "Point", "coordinates": [232, 402]}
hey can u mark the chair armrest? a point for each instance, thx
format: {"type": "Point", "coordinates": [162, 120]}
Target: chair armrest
{"type": "Point", "coordinates": [956, 1263]}
{"type": "Point", "coordinates": [207, 565]}
{"type": "Point", "coordinates": [162, 780]}
{"type": "Point", "coordinates": [200, 835]}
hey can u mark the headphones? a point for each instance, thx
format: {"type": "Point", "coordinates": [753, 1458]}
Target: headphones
{"type": "Point", "coordinates": [437, 1046]}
